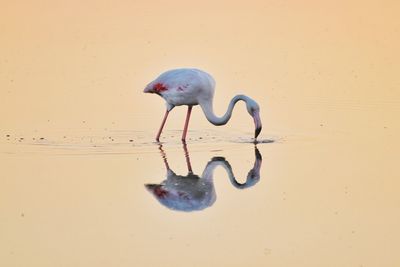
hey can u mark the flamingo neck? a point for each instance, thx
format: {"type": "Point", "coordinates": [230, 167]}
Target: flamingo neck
{"type": "Point", "coordinates": [208, 172]}
{"type": "Point", "coordinates": [253, 175]}
{"type": "Point", "coordinates": [207, 108]}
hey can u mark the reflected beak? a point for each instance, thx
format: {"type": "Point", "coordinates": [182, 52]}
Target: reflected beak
{"type": "Point", "coordinates": [257, 124]}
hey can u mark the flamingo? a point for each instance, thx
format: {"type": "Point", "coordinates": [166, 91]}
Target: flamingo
{"type": "Point", "coordinates": [192, 192]}
{"type": "Point", "coordinates": [191, 87]}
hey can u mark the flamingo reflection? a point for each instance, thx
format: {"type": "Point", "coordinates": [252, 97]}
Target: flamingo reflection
{"type": "Point", "coordinates": [192, 192]}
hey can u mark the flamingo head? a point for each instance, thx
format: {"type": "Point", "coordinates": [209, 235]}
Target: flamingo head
{"type": "Point", "coordinates": [254, 110]}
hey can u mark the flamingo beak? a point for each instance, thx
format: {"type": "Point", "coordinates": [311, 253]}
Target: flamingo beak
{"type": "Point", "coordinates": [257, 124]}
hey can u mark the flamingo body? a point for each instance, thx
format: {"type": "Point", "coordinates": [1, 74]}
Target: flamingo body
{"type": "Point", "coordinates": [191, 87]}
{"type": "Point", "coordinates": [183, 87]}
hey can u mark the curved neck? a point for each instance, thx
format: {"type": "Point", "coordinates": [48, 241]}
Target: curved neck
{"type": "Point", "coordinates": [207, 107]}
{"type": "Point", "coordinates": [252, 177]}
{"type": "Point", "coordinates": [208, 172]}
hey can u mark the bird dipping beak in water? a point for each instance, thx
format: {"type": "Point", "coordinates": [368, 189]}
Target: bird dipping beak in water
{"type": "Point", "coordinates": [193, 87]}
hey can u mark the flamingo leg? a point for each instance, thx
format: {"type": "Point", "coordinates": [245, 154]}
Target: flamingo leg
{"type": "Point", "coordinates": [162, 125]}
{"type": "Point", "coordinates": [186, 123]}
{"type": "Point", "coordinates": [164, 156]}
{"type": "Point", "coordinates": [189, 166]}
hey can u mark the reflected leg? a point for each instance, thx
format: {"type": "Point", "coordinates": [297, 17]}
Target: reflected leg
{"type": "Point", "coordinates": [189, 166]}
{"type": "Point", "coordinates": [164, 156]}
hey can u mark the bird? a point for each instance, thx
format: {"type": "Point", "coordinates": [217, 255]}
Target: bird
{"type": "Point", "coordinates": [194, 192]}
{"type": "Point", "coordinates": [191, 87]}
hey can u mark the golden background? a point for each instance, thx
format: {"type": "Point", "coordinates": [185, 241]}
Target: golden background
{"type": "Point", "coordinates": [326, 75]}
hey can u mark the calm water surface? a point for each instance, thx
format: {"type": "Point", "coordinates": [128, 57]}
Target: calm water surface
{"type": "Point", "coordinates": [106, 200]}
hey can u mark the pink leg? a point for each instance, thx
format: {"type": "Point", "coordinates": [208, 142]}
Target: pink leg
{"type": "Point", "coordinates": [189, 166]}
{"type": "Point", "coordinates": [186, 123]}
{"type": "Point", "coordinates": [164, 156]}
{"type": "Point", "coordinates": [162, 126]}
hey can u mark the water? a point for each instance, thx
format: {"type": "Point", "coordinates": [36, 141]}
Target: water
{"type": "Point", "coordinates": [83, 182]}
{"type": "Point", "coordinates": [97, 199]}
